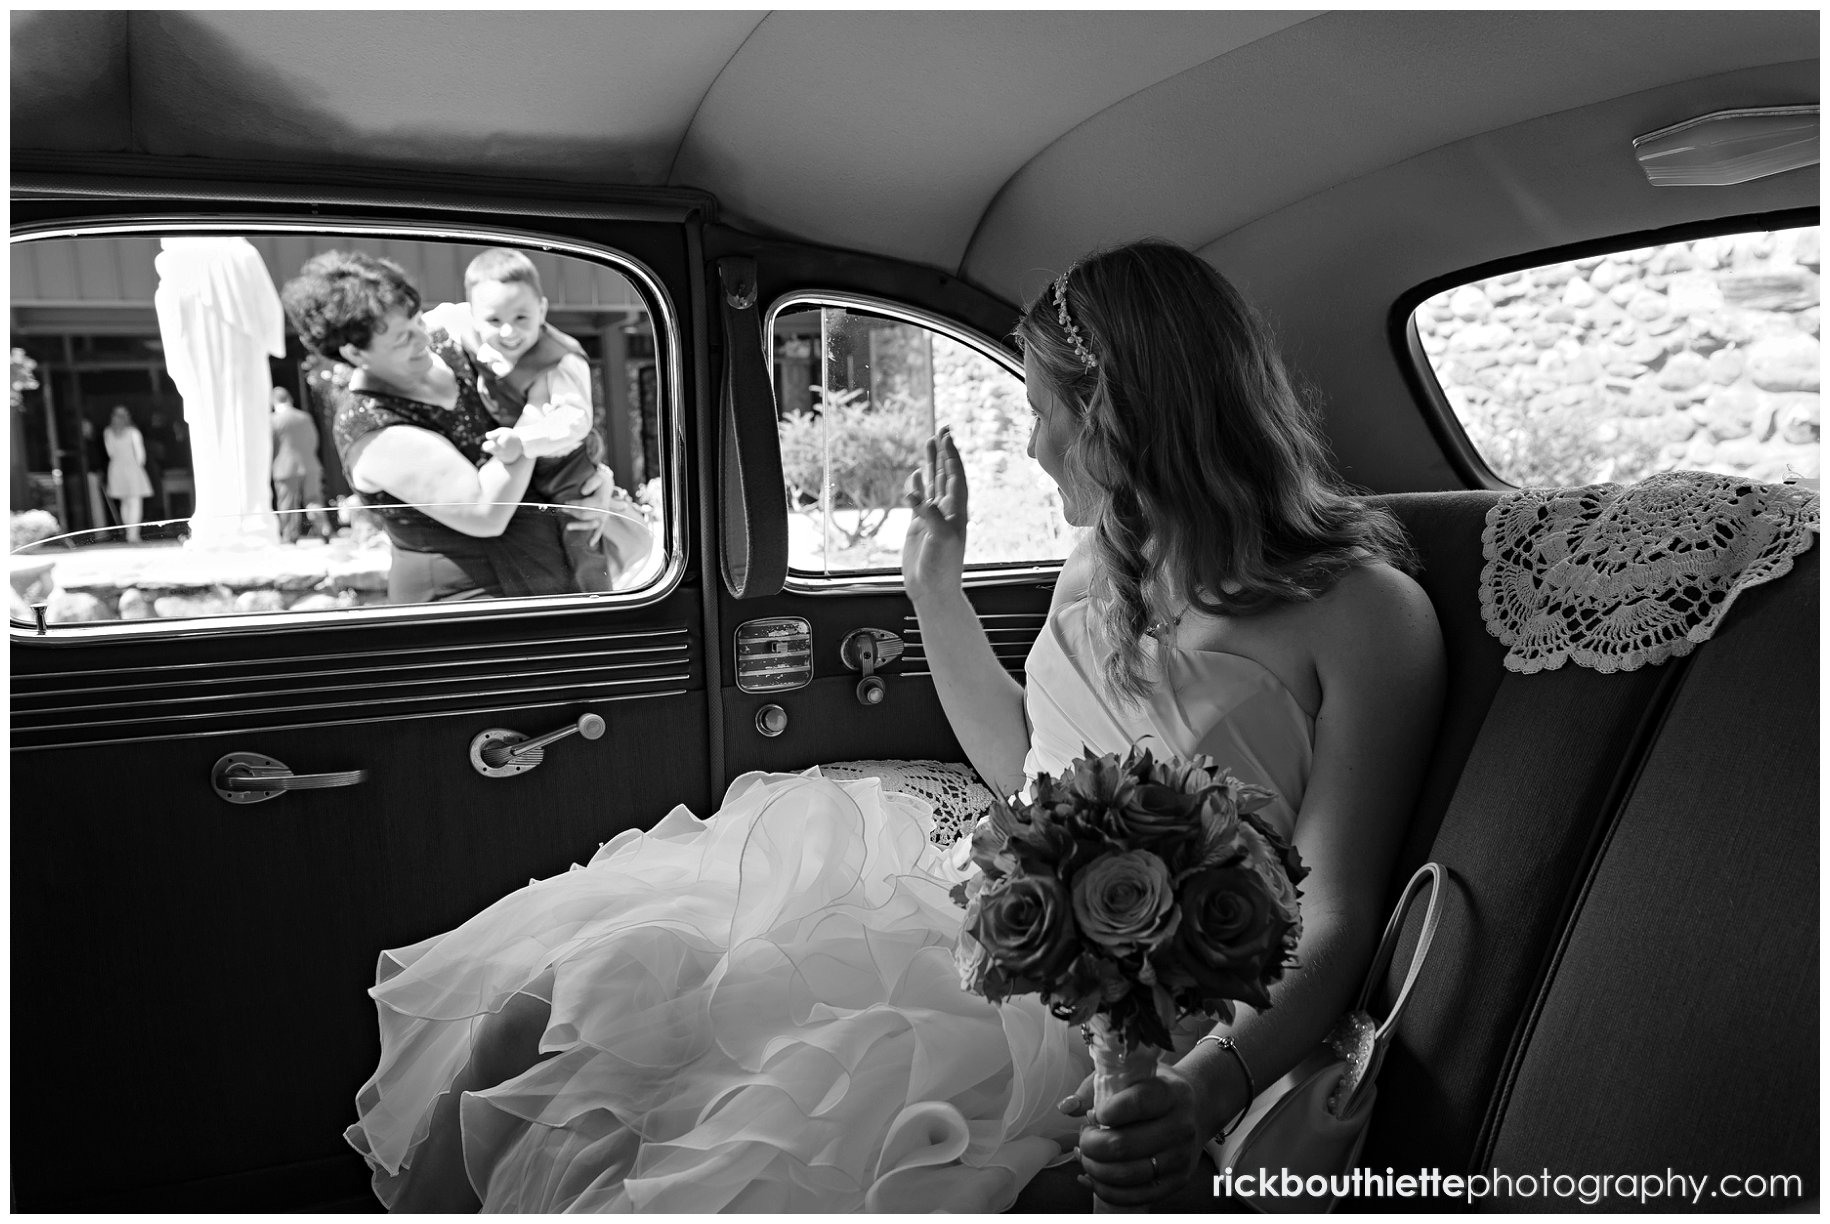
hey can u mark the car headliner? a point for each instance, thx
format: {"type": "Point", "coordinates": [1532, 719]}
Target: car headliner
{"type": "Point", "coordinates": [1328, 161]}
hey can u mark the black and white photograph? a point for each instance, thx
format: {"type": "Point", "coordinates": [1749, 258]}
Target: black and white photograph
{"type": "Point", "coordinates": [856, 611]}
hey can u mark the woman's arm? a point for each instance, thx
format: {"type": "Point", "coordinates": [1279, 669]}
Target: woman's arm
{"type": "Point", "coordinates": [424, 469]}
{"type": "Point", "coordinates": [983, 703]}
{"type": "Point", "coordinates": [1379, 657]}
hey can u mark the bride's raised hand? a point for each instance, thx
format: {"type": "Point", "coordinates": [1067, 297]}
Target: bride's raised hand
{"type": "Point", "coordinates": [934, 549]}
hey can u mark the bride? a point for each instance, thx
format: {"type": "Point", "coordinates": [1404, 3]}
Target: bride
{"type": "Point", "coordinates": [760, 1011]}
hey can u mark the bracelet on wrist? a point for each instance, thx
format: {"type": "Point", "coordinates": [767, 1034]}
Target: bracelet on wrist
{"type": "Point", "coordinates": [1251, 1085]}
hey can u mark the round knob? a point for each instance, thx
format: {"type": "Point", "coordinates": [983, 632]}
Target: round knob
{"type": "Point", "coordinates": [870, 690]}
{"type": "Point", "coordinates": [771, 720]}
{"type": "Point", "coordinates": [591, 726]}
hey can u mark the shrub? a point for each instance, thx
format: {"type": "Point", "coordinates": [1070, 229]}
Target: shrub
{"type": "Point", "coordinates": [31, 526]}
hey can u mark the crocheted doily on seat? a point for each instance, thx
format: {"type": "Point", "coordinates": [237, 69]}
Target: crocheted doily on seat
{"type": "Point", "coordinates": [955, 792]}
{"type": "Point", "coordinates": [1615, 577]}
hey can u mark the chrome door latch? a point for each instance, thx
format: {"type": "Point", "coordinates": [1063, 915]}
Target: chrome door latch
{"type": "Point", "coordinates": [253, 777]}
{"type": "Point", "coordinates": [866, 650]}
{"type": "Point", "coordinates": [501, 753]}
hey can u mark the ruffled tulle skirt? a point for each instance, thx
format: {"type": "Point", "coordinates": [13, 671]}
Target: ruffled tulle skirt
{"type": "Point", "coordinates": [758, 1012]}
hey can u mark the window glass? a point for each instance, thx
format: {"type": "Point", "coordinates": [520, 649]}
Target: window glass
{"type": "Point", "coordinates": [341, 558]}
{"type": "Point", "coordinates": [859, 393]}
{"type": "Point", "coordinates": [177, 451]}
{"type": "Point", "coordinates": [1687, 355]}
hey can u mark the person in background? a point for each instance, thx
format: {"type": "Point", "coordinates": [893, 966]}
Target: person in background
{"type": "Point", "coordinates": [536, 378]}
{"type": "Point", "coordinates": [128, 485]}
{"type": "Point", "coordinates": [298, 474]}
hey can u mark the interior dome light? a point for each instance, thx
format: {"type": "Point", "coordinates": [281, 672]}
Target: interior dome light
{"type": "Point", "coordinates": [1729, 147]}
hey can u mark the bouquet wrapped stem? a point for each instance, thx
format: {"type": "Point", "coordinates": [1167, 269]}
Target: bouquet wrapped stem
{"type": "Point", "coordinates": [1116, 1066]}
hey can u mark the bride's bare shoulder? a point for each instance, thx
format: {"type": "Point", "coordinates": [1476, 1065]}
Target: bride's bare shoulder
{"type": "Point", "coordinates": [1379, 609]}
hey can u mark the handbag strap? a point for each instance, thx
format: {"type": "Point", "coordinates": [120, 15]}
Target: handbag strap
{"type": "Point", "coordinates": [1428, 877]}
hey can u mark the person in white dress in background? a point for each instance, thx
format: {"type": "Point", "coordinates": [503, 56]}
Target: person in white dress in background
{"type": "Point", "coordinates": [760, 1011]}
{"type": "Point", "coordinates": [127, 484]}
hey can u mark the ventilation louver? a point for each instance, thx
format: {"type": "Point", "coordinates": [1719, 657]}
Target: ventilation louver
{"type": "Point", "coordinates": [774, 654]}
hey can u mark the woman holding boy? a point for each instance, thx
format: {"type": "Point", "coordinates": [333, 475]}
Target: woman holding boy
{"type": "Point", "coordinates": [416, 441]}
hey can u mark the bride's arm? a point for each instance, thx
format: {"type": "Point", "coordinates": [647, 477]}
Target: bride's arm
{"type": "Point", "coordinates": [1379, 657]}
{"type": "Point", "coordinates": [983, 703]}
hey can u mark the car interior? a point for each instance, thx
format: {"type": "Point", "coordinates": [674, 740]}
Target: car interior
{"type": "Point", "coordinates": [791, 244]}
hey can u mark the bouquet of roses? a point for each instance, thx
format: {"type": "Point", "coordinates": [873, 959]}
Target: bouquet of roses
{"type": "Point", "coordinates": [1128, 893]}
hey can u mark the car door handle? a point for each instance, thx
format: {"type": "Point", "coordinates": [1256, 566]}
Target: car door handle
{"type": "Point", "coordinates": [250, 777]}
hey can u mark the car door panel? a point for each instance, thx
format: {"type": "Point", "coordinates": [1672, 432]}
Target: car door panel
{"type": "Point", "coordinates": [201, 965]}
{"type": "Point", "coordinates": [190, 1024]}
{"type": "Point", "coordinates": [827, 722]}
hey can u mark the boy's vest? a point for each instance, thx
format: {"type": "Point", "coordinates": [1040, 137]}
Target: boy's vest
{"type": "Point", "coordinates": [510, 389]}
{"type": "Point", "coordinates": [506, 394]}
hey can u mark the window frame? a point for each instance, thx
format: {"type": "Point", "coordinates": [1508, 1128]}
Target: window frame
{"type": "Point", "coordinates": [1415, 366]}
{"type": "Point", "coordinates": [669, 353]}
{"type": "Point", "coordinates": [877, 582]}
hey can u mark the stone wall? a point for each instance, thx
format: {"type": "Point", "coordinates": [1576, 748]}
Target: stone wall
{"type": "Point", "coordinates": [159, 583]}
{"type": "Point", "coordinates": [1697, 355]}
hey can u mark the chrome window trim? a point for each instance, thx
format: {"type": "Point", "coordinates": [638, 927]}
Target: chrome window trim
{"type": "Point", "coordinates": [667, 324]}
{"type": "Point", "coordinates": [876, 582]}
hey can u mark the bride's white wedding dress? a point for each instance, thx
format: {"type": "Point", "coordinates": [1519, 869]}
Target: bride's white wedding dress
{"type": "Point", "coordinates": [760, 1011]}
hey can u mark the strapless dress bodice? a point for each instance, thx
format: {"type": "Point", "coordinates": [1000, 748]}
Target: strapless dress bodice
{"type": "Point", "coordinates": [1223, 705]}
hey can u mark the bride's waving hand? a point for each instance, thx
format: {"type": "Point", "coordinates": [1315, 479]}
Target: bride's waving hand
{"type": "Point", "coordinates": [983, 704]}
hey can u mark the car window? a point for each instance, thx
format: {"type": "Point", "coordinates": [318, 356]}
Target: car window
{"type": "Point", "coordinates": [860, 387]}
{"type": "Point", "coordinates": [298, 561]}
{"type": "Point", "coordinates": [178, 451]}
{"type": "Point", "coordinates": [1684, 355]}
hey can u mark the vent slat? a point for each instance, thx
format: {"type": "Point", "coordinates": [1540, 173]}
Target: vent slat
{"type": "Point", "coordinates": [329, 689]}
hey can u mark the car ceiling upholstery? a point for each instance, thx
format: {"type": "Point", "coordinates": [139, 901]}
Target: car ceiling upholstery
{"type": "Point", "coordinates": [987, 144]}
{"type": "Point", "coordinates": [1329, 161]}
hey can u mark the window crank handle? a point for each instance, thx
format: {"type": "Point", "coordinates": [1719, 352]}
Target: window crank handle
{"type": "Point", "coordinates": [591, 726]}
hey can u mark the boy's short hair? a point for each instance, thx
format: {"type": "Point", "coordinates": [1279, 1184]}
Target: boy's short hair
{"type": "Point", "coordinates": [502, 264]}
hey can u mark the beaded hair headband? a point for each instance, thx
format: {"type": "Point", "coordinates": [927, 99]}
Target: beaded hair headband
{"type": "Point", "coordinates": [1067, 324]}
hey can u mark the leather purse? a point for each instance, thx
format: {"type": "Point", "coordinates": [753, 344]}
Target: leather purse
{"type": "Point", "coordinates": [1312, 1123]}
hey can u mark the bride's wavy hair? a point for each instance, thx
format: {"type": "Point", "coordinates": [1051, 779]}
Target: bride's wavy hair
{"type": "Point", "coordinates": [1209, 478]}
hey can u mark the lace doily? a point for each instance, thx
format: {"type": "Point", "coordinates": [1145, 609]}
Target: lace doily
{"type": "Point", "coordinates": [953, 790]}
{"type": "Point", "coordinates": [1615, 577]}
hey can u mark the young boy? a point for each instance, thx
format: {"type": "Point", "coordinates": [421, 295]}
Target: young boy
{"type": "Point", "coordinates": [535, 379]}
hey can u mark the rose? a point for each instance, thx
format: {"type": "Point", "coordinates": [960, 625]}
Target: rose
{"type": "Point", "coordinates": [1025, 925]}
{"type": "Point", "coordinates": [1153, 815]}
{"type": "Point", "coordinates": [1265, 853]}
{"type": "Point", "coordinates": [1160, 808]}
{"type": "Point", "coordinates": [1231, 937]}
{"type": "Point", "coordinates": [1124, 902]}
{"type": "Point", "coordinates": [1271, 847]}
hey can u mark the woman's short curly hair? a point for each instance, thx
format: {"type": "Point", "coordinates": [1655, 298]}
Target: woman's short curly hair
{"type": "Point", "coordinates": [340, 297]}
